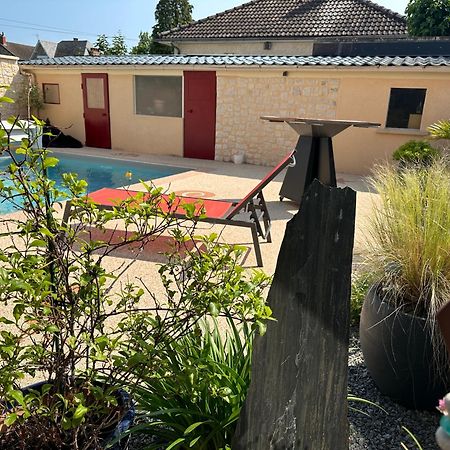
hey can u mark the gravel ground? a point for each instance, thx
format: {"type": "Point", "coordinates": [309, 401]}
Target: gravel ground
{"type": "Point", "coordinates": [380, 430]}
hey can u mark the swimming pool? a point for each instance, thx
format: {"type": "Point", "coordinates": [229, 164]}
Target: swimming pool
{"type": "Point", "coordinates": [98, 172]}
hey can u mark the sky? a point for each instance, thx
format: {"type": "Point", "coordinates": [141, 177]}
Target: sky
{"type": "Point", "coordinates": [56, 20]}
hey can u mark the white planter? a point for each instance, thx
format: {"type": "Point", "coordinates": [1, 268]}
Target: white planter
{"type": "Point", "coordinates": [238, 158]}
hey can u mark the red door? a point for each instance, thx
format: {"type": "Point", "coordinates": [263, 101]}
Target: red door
{"type": "Point", "coordinates": [96, 109]}
{"type": "Point", "coordinates": [199, 114]}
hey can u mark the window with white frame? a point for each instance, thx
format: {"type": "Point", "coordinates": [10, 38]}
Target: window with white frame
{"type": "Point", "coordinates": [158, 95]}
{"type": "Point", "coordinates": [405, 108]}
{"type": "Point", "coordinates": [51, 93]}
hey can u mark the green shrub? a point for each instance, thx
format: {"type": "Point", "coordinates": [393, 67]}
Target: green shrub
{"type": "Point", "coordinates": [361, 282]}
{"type": "Point", "coordinates": [417, 153]}
{"type": "Point", "coordinates": [194, 399]}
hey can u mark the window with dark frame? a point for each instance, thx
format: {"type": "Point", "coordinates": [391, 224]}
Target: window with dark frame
{"type": "Point", "coordinates": [405, 108]}
{"type": "Point", "coordinates": [158, 95]}
{"type": "Point", "coordinates": [51, 93]}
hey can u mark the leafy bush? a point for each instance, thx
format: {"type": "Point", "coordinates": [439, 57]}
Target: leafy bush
{"type": "Point", "coordinates": [194, 399]}
{"type": "Point", "coordinates": [416, 152]}
{"type": "Point", "coordinates": [59, 300]}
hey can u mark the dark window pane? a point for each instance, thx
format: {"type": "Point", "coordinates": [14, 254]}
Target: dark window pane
{"type": "Point", "coordinates": [405, 108]}
{"type": "Point", "coordinates": [158, 96]}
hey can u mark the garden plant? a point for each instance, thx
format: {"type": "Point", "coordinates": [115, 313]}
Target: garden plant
{"type": "Point", "coordinates": [408, 256]}
{"type": "Point", "coordinates": [420, 153]}
{"type": "Point", "coordinates": [86, 331]}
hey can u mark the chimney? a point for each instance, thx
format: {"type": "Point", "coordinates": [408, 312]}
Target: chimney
{"type": "Point", "coordinates": [2, 38]}
{"type": "Point", "coordinates": [75, 39]}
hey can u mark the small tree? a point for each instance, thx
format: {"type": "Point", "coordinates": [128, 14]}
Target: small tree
{"type": "Point", "coordinates": [169, 14]}
{"type": "Point", "coordinates": [30, 99]}
{"type": "Point", "coordinates": [144, 45]}
{"type": "Point", "coordinates": [85, 330]}
{"type": "Point", "coordinates": [102, 44]}
{"type": "Point", "coordinates": [428, 17]}
{"type": "Point", "coordinates": [118, 46]}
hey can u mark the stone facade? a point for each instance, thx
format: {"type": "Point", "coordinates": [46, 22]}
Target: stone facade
{"type": "Point", "coordinates": [10, 76]}
{"type": "Point", "coordinates": [242, 100]}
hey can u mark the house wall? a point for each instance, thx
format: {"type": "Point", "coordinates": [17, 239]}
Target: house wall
{"type": "Point", "coordinates": [365, 96]}
{"type": "Point", "coordinates": [244, 94]}
{"type": "Point", "coordinates": [68, 114]}
{"type": "Point", "coordinates": [245, 48]}
{"type": "Point", "coordinates": [243, 98]}
{"type": "Point", "coordinates": [130, 132]}
{"type": "Point", "coordinates": [10, 76]}
{"type": "Point", "coordinates": [329, 93]}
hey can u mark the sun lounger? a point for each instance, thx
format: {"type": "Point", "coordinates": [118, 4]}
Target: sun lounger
{"type": "Point", "coordinates": [222, 212]}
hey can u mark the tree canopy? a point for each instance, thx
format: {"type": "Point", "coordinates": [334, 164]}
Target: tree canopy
{"type": "Point", "coordinates": [118, 46]}
{"type": "Point", "coordinates": [428, 17]}
{"type": "Point", "coordinates": [102, 44]}
{"type": "Point", "coordinates": [170, 14]}
{"type": "Point", "coordinates": [144, 46]}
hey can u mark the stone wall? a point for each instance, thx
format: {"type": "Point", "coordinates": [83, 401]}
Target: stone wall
{"type": "Point", "coordinates": [10, 76]}
{"type": "Point", "coordinates": [242, 100]}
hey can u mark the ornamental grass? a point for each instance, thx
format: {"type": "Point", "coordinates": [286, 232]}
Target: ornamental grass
{"type": "Point", "coordinates": [409, 249]}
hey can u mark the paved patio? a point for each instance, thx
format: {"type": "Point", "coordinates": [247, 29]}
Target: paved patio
{"type": "Point", "coordinates": [220, 180]}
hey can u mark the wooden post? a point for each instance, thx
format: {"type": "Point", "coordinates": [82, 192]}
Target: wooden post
{"type": "Point", "coordinates": [298, 394]}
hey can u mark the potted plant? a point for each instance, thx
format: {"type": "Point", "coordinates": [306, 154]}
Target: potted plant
{"type": "Point", "coordinates": [409, 257]}
{"type": "Point", "coordinates": [83, 329]}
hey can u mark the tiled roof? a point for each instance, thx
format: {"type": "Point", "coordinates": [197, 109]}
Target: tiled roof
{"type": "Point", "coordinates": [22, 51]}
{"type": "Point", "coordinates": [291, 19]}
{"type": "Point", "coordinates": [72, 48]}
{"type": "Point", "coordinates": [236, 60]}
{"type": "Point", "coordinates": [44, 49]}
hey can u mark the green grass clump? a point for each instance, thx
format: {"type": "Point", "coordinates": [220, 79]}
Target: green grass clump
{"type": "Point", "coordinates": [361, 282]}
{"type": "Point", "coordinates": [193, 399]}
{"type": "Point", "coordinates": [410, 230]}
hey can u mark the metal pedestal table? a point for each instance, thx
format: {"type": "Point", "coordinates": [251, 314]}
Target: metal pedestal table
{"type": "Point", "coordinates": [314, 152]}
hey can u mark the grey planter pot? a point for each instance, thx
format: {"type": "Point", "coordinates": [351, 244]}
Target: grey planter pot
{"type": "Point", "coordinates": [399, 354]}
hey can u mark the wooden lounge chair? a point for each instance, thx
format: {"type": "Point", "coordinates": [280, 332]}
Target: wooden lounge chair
{"type": "Point", "coordinates": [213, 211]}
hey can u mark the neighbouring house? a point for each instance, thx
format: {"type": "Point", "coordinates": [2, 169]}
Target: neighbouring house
{"type": "Point", "coordinates": [10, 54]}
{"type": "Point", "coordinates": [210, 106]}
{"type": "Point", "coordinates": [285, 27]}
{"type": "Point", "coordinates": [75, 47]}
{"type": "Point", "coordinates": [21, 51]}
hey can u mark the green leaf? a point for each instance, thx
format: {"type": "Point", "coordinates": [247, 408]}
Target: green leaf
{"type": "Point", "coordinates": [66, 423]}
{"type": "Point", "coordinates": [175, 444]}
{"type": "Point", "coordinates": [18, 311]}
{"type": "Point", "coordinates": [6, 100]}
{"type": "Point", "coordinates": [80, 412]}
{"type": "Point", "coordinates": [6, 321]}
{"type": "Point", "coordinates": [194, 441]}
{"type": "Point", "coordinates": [192, 427]}
{"type": "Point", "coordinates": [50, 161]}
{"type": "Point", "coordinates": [17, 396]}
{"type": "Point", "coordinates": [38, 243]}
{"type": "Point", "coordinates": [52, 329]}
{"type": "Point", "coordinates": [213, 309]}
{"type": "Point", "coordinates": [10, 419]}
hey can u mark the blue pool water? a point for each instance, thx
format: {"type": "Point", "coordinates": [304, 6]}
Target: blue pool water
{"type": "Point", "coordinates": [98, 172]}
